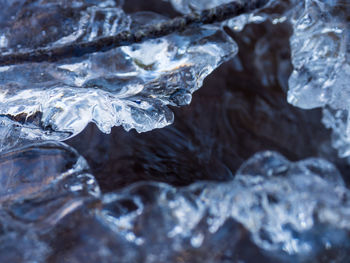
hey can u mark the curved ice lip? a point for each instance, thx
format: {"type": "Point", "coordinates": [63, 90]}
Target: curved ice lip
{"type": "Point", "coordinates": [129, 86]}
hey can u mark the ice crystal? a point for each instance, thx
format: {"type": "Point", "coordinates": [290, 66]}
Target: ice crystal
{"type": "Point", "coordinates": [132, 85]}
{"type": "Point", "coordinates": [285, 206]}
{"type": "Point", "coordinates": [275, 10]}
{"type": "Point", "coordinates": [51, 207]}
{"type": "Point", "coordinates": [319, 47]}
{"type": "Point", "coordinates": [128, 86]}
{"type": "Point", "coordinates": [40, 185]}
{"type": "Point", "coordinates": [288, 211]}
{"type": "Point", "coordinates": [320, 55]}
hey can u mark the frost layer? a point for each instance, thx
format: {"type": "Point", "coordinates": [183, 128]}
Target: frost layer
{"type": "Point", "coordinates": [274, 209]}
{"type": "Point", "coordinates": [128, 86]}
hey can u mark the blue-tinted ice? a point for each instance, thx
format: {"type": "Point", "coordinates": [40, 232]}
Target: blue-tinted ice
{"type": "Point", "coordinates": [51, 207]}
{"type": "Point", "coordinates": [52, 211]}
{"type": "Point", "coordinates": [129, 86]}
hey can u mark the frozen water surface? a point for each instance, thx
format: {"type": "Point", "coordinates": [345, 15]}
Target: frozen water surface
{"type": "Point", "coordinates": [52, 208]}
{"type": "Point", "coordinates": [320, 48]}
{"type": "Point", "coordinates": [277, 11]}
{"type": "Point", "coordinates": [320, 56]}
{"type": "Point", "coordinates": [40, 185]}
{"type": "Point", "coordinates": [283, 211]}
{"type": "Point", "coordinates": [132, 85]}
{"type": "Point", "coordinates": [128, 86]}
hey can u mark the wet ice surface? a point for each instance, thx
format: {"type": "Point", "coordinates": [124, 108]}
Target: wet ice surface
{"type": "Point", "coordinates": [320, 55]}
{"type": "Point", "coordinates": [277, 11]}
{"type": "Point", "coordinates": [128, 86]}
{"type": "Point", "coordinates": [40, 185]}
{"type": "Point", "coordinates": [240, 110]}
{"type": "Point", "coordinates": [265, 206]}
{"type": "Point", "coordinates": [187, 6]}
{"type": "Point", "coordinates": [132, 86]}
{"type": "Point", "coordinates": [273, 208]}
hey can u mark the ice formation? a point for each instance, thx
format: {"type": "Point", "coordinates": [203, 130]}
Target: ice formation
{"type": "Point", "coordinates": [320, 55]}
{"type": "Point", "coordinates": [51, 206]}
{"type": "Point", "coordinates": [320, 48]}
{"type": "Point", "coordinates": [128, 86]}
{"type": "Point", "coordinates": [132, 85]}
{"type": "Point", "coordinates": [275, 10]}
{"type": "Point", "coordinates": [287, 211]}
{"type": "Point", "coordinates": [40, 185]}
